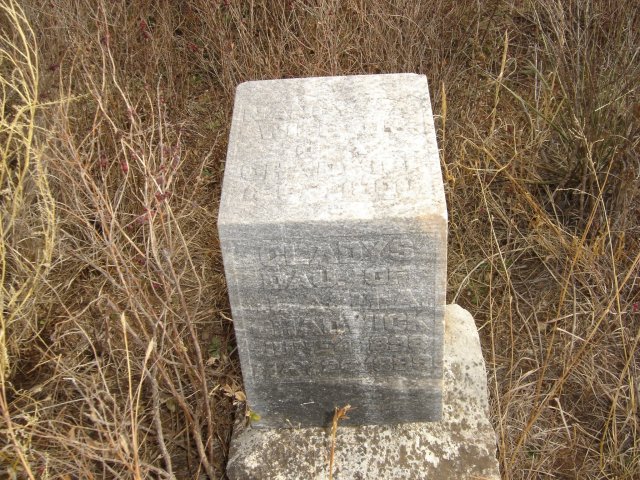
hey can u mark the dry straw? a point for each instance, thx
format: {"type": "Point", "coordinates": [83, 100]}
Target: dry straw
{"type": "Point", "coordinates": [117, 358]}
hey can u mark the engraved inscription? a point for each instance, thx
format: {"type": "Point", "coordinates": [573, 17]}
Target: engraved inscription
{"type": "Point", "coordinates": [367, 301]}
{"type": "Point", "coordinates": [344, 250]}
{"type": "Point", "coordinates": [373, 149]}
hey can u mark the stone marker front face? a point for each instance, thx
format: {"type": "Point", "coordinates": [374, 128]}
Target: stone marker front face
{"type": "Point", "coordinates": [333, 233]}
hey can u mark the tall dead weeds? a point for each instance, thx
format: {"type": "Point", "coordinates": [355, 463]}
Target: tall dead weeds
{"type": "Point", "coordinates": [120, 359]}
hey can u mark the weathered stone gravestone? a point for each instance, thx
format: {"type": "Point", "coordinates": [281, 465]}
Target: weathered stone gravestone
{"type": "Point", "coordinates": [333, 229]}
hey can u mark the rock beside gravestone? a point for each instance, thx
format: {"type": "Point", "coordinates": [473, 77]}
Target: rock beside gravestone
{"type": "Point", "coordinates": [333, 230]}
{"type": "Point", "coordinates": [460, 446]}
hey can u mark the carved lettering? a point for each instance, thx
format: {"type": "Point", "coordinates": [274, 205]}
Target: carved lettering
{"type": "Point", "coordinates": [361, 306]}
{"type": "Point", "coordinates": [323, 254]}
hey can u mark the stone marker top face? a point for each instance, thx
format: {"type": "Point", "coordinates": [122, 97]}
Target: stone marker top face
{"type": "Point", "coordinates": [354, 148]}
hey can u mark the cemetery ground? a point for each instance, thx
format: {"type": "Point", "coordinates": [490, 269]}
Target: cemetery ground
{"type": "Point", "coordinates": [117, 356]}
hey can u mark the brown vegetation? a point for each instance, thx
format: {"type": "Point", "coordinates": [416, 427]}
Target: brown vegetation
{"type": "Point", "coordinates": [116, 344]}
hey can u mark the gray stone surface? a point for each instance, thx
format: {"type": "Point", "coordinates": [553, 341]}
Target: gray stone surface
{"type": "Point", "coordinates": [333, 230]}
{"type": "Point", "coordinates": [461, 446]}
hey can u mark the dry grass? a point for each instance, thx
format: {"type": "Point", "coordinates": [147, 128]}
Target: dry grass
{"type": "Point", "coordinates": [116, 347]}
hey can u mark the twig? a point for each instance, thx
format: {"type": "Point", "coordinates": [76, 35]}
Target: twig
{"type": "Point", "coordinates": [155, 397]}
{"type": "Point", "coordinates": [499, 82]}
{"type": "Point", "coordinates": [338, 415]}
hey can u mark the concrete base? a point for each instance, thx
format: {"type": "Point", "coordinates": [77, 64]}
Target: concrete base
{"type": "Point", "coordinates": [461, 446]}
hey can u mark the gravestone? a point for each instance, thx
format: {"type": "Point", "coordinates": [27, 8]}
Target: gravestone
{"type": "Point", "coordinates": [333, 230]}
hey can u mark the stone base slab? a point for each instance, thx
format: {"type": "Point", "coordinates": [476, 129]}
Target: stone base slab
{"type": "Point", "coordinates": [461, 446]}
